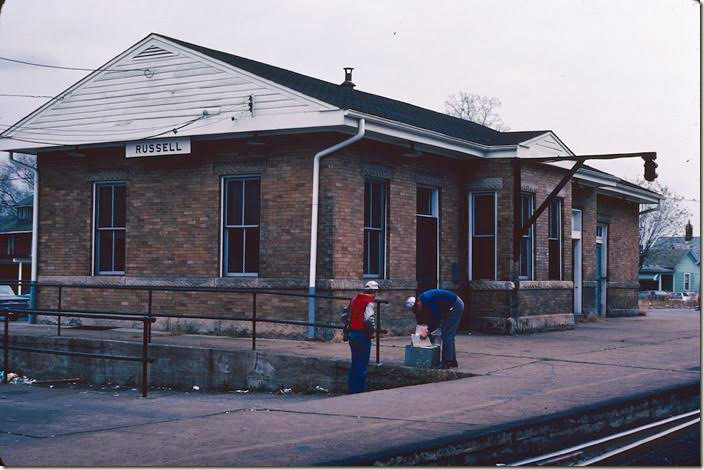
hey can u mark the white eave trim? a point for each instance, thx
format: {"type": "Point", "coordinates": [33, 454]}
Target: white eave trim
{"type": "Point", "coordinates": [611, 186]}
{"type": "Point", "coordinates": [399, 130]}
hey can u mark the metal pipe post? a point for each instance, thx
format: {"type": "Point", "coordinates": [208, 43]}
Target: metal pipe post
{"type": "Point", "coordinates": [149, 312]}
{"type": "Point", "coordinates": [58, 322]}
{"type": "Point", "coordinates": [5, 347]}
{"type": "Point", "coordinates": [145, 356]}
{"type": "Point", "coordinates": [254, 321]}
{"type": "Point", "coordinates": [378, 328]}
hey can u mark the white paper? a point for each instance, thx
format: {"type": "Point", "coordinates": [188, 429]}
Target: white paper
{"type": "Point", "coordinates": [417, 342]}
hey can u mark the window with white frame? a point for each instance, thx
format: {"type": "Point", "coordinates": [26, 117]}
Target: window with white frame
{"type": "Point", "coordinates": [110, 226]}
{"type": "Point", "coordinates": [555, 239]}
{"type": "Point", "coordinates": [483, 235]}
{"type": "Point", "coordinates": [241, 226]}
{"type": "Point", "coordinates": [526, 254]}
{"type": "Point", "coordinates": [687, 281]}
{"type": "Point", "coordinates": [374, 228]}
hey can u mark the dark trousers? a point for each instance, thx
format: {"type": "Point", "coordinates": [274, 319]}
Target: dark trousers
{"type": "Point", "coordinates": [360, 346]}
{"type": "Point", "coordinates": [449, 330]}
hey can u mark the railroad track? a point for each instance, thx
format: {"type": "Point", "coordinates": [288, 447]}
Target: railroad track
{"type": "Point", "coordinates": [604, 450]}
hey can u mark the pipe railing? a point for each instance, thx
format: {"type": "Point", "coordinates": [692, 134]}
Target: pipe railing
{"type": "Point", "coordinates": [7, 313]}
{"type": "Point", "coordinates": [60, 311]}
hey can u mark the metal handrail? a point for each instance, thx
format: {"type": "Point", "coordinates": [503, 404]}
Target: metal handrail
{"type": "Point", "coordinates": [144, 358]}
{"type": "Point", "coordinates": [151, 316]}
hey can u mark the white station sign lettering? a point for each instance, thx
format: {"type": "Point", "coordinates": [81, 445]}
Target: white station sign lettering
{"type": "Point", "coordinates": [154, 147]}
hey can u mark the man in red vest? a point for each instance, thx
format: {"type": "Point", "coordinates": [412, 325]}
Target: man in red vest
{"type": "Point", "coordinates": [361, 331]}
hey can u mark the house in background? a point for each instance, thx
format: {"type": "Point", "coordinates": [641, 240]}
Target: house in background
{"type": "Point", "coordinates": [16, 244]}
{"type": "Point", "coordinates": [673, 264]}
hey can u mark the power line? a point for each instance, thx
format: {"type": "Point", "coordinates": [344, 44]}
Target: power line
{"type": "Point", "coordinates": [170, 128]}
{"type": "Point", "coordinates": [35, 64]}
{"type": "Point", "coordinates": [26, 96]}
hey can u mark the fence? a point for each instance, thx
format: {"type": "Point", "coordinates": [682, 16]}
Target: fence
{"type": "Point", "coordinates": [149, 317]}
{"type": "Point", "coordinates": [144, 358]}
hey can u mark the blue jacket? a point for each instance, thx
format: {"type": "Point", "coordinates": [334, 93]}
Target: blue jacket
{"type": "Point", "coordinates": [436, 305]}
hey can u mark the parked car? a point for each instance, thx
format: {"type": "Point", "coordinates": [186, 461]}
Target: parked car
{"type": "Point", "coordinates": [653, 294]}
{"type": "Point", "coordinates": [8, 298]}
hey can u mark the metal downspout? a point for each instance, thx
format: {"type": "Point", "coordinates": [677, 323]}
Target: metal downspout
{"type": "Point", "coordinates": [35, 234]}
{"type": "Point", "coordinates": [314, 219]}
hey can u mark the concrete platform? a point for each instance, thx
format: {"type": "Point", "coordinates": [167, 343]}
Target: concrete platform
{"type": "Point", "coordinates": [522, 384]}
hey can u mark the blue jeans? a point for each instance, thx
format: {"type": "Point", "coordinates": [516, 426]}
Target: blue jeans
{"type": "Point", "coordinates": [449, 330]}
{"type": "Point", "coordinates": [360, 346]}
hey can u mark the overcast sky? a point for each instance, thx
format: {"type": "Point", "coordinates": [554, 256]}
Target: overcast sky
{"type": "Point", "coordinates": [606, 76]}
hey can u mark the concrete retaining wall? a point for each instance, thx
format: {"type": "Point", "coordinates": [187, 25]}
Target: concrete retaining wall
{"type": "Point", "coordinates": [510, 442]}
{"type": "Point", "coordinates": [183, 367]}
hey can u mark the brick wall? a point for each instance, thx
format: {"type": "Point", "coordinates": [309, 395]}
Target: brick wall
{"type": "Point", "coordinates": [622, 245]}
{"type": "Point", "coordinates": [173, 228]}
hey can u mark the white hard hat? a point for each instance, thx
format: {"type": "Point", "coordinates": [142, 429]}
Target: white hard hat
{"type": "Point", "coordinates": [410, 302]}
{"type": "Point", "coordinates": [371, 285]}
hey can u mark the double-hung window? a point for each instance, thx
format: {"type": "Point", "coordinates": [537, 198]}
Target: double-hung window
{"type": "Point", "coordinates": [374, 228]}
{"type": "Point", "coordinates": [241, 226]}
{"type": "Point", "coordinates": [110, 226]}
{"type": "Point", "coordinates": [555, 240]}
{"type": "Point", "coordinates": [483, 235]}
{"type": "Point", "coordinates": [526, 256]}
{"type": "Point", "coordinates": [687, 282]}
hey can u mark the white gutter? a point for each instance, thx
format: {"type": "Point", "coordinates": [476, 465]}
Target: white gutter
{"type": "Point", "coordinates": [314, 219]}
{"type": "Point", "coordinates": [35, 232]}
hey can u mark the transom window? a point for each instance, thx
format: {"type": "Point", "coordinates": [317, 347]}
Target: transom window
{"type": "Point", "coordinates": [374, 228]}
{"type": "Point", "coordinates": [110, 227]}
{"type": "Point", "coordinates": [241, 226]}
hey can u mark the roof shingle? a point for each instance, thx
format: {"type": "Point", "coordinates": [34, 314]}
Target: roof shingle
{"type": "Point", "coordinates": [348, 98]}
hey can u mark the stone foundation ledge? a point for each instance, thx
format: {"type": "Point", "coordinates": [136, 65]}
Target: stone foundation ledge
{"type": "Point", "coordinates": [523, 285]}
{"type": "Point", "coordinates": [622, 312]}
{"type": "Point", "coordinates": [527, 324]}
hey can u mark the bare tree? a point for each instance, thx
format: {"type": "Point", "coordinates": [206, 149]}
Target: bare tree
{"type": "Point", "coordinates": [476, 108]}
{"type": "Point", "coordinates": [666, 220]}
{"type": "Point", "coordinates": [16, 183]}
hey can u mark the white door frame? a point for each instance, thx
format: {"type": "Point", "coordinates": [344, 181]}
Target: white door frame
{"type": "Point", "coordinates": [577, 260]}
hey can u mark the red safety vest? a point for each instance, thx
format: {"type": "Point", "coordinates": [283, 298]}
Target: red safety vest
{"type": "Point", "coordinates": [357, 307]}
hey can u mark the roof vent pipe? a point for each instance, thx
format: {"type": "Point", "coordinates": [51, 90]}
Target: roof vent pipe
{"type": "Point", "coordinates": [348, 77]}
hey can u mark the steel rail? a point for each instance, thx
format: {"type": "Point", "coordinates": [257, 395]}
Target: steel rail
{"type": "Point", "coordinates": [602, 440]}
{"type": "Point", "coordinates": [638, 443]}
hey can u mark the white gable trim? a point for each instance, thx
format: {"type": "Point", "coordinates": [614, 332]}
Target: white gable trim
{"type": "Point", "coordinates": [544, 145]}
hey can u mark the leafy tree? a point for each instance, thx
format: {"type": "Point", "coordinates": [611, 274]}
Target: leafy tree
{"type": "Point", "coordinates": [476, 108]}
{"type": "Point", "coordinates": [665, 220]}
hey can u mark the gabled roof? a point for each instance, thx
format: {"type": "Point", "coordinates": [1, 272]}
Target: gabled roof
{"type": "Point", "coordinates": [673, 249]}
{"type": "Point", "coordinates": [369, 103]}
{"type": "Point", "coordinates": [27, 201]}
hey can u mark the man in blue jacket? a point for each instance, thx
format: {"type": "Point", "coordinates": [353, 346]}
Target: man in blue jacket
{"type": "Point", "coordinates": [439, 308]}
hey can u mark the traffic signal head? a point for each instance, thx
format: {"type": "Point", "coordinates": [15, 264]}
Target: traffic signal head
{"type": "Point", "coordinates": [649, 167]}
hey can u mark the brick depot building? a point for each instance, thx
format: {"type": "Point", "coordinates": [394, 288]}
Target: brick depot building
{"type": "Point", "coordinates": [179, 165]}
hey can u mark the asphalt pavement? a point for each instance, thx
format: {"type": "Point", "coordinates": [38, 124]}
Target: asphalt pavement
{"type": "Point", "coordinates": [516, 379]}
